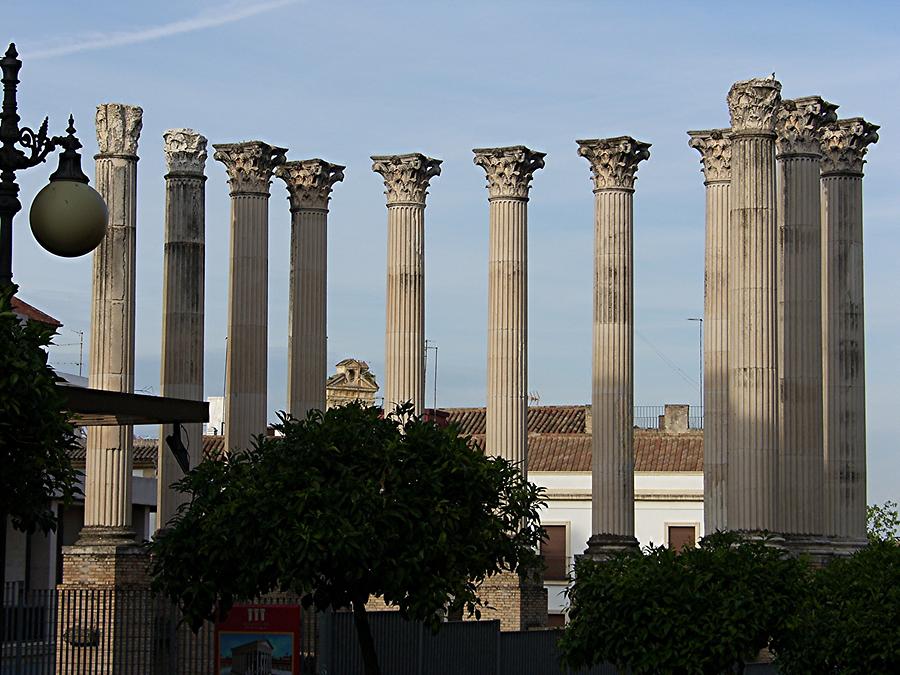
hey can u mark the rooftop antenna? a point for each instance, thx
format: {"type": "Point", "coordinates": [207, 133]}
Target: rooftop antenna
{"type": "Point", "coordinates": [534, 397]}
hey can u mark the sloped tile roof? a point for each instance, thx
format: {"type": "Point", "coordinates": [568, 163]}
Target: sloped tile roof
{"type": "Point", "coordinates": [545, 419]}
{"type": "Point", "coordinates": [26, 311]}
{"type": "Point", "coordinates": [146, 451]}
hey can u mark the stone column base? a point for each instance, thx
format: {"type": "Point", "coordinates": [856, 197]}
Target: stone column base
{"type": "Point", "coordinates": [518, 601]}
{"type": "Point", "coordinates": [816, 548]}
{"type": "Point", "coordinates": [844, 547]}
{"type": "Point", "coordinates": [105, 565]}
{"type": "Point", "coordinates": [602, 546]}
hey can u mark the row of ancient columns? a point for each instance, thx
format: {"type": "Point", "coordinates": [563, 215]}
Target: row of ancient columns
{"type": "Point", "coordinates": [784, 390]}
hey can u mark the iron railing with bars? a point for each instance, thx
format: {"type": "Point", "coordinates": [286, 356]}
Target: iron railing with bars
{"type": "Point", "coordinates": [647, 416]}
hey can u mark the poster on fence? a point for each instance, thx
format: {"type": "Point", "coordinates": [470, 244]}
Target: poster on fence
{"type": "Point", "coordinates": [259, 640]}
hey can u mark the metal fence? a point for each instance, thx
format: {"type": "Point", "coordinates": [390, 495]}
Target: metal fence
{"type": "Point", "coordinates": [122, 632]}
{"type": "Point", "coordinates": [647, 416]}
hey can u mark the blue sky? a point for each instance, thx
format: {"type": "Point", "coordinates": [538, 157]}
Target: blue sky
{"type": "Point", "coordinates": [344, 80]}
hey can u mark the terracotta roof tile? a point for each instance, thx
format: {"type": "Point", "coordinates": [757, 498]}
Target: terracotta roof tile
{"type": "Point", "coordinates": [23, 309]}
{"type": "Point", "coordinates": [546, 419]}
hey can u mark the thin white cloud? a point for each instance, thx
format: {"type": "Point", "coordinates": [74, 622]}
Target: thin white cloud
{"type": "Point", "coordinates": [222, 16]}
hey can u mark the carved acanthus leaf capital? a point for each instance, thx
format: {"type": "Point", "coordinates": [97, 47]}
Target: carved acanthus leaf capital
{"type": "Point", "coordinates": [406, 177]}
{"type": "Point", "coordinates": [614, 161]}
{"type": "Point", "coordinates": [118, 128]}
{"type": "Point", "coordinates": [309, 182]}
{"type": "Point", "coordinates": [185, 151]}
{"type": "Point", "coordinates": [844, 145]}
{"type": "Point", "coordinates": [509, 170]}
{"type": "Point", "coordinates": [798, 125]}
{"type": "Point", "coordinates": [250, 165]}
{"type": "Point", "coordinates": [753, 104]}
{"type": "Point", "coordinates": [714, 146]}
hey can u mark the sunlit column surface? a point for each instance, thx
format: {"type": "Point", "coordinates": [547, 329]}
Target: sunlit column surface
{"type": "Point", "coordinates": [614, 163]}
{"type": "Point", "coordinates": [406, 179]}
{"type": "Point", "coordinates": [509, 172]}
{"type": "Point", "coordinates": [250, 166]}
{"type": "Point", "coordinates": [309, 183]}
{"type": "Point", "coordinates": [714, 147]}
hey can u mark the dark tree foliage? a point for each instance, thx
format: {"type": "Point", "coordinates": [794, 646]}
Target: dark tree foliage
{"type": "Point", "coordinates": [849, 622]}
{"type": "Point", "coordinates": [346, 506]}
{"type": "Point", "coordinates": [705, 610]}
{"type": "Point", "coordinates": [35, 434]}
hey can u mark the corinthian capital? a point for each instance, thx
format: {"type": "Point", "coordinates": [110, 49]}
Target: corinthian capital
{"type": "Point", "coordinates": [714, 146]}
{"type": "Point", "coordinates": [309, 182]}
{"type": "Point", "coordinates": [844, 145]}
{"type": "Point", "coordinates": [614, 161]}
{"type": "Point", "coordinates": [509, 170]}
{"type": "Point", "coordinates": [798, 125]}
{"type": "Point", "coordinates": [249, 165]}
{"type": "Point", "coordinates": [118, 129]}
{"type": "Point", "coordinates": [185, 151]}
{"type": "Point", "coordinates": [406, 177]}
{"type": "Point", "coordinates": [752, 105]}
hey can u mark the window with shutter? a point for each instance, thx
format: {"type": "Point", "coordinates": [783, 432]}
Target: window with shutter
{"type": "Point", "coordinates": [682, 536]}
{"type": "Point", "coordinates": [553, 551]}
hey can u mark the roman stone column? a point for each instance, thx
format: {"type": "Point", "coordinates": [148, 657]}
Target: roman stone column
{"type": "Point", "coordinates": [753, 426]}
{"type": "Point", "coordinates": [509, 172]}
{"type": "Point", "coordinates": [309, 184]}
{"type": "Point", "coordinates": [844, 146]}
{"type": "Point", "coordinates": [107, 502]}
{"type": "Point", "coordinates": [800, 468]}
{"type": "Point", "coordinates": [406, 179]}
{"type": "Point", "coordinates": [181, 372]}
{"type": "Point", "coordinates": [250, 166]}
{"type": "Point", "coordinates": [614, 163]}
{"type": "Point", "coordinates": [714, 147]}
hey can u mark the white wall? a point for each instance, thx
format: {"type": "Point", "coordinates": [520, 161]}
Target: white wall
{"type": "Point", "coordinates": [661, 499]}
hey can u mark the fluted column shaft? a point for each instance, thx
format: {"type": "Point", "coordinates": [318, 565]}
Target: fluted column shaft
{"type": "Point", "coordinates": [614, 163]}
{"type": "Point", "coordinates": [844, 147]}
{"type": "Point", "coordinates": [715, 150]}
{"type": "Point", "coordinates": [507, 365]}
{"type": "Point", "coordinates": [181, 371]}
{"type": "Point", "coordinates": [509, 171]}
{"type": "Point", "coordinates": [250, 166]}
{"type": "Point", "coordinates": [801, 465]}
{"type": "Point", "coordinates": [406, 179]}
{"type": "Point", "coordinates": [107, 504]}
{"type": "Point", "coordinates": [404, 362]}
{"type": "Point", "coordinates": [309, 184]}
{"type": "Point", "coordinates": [753, 425]}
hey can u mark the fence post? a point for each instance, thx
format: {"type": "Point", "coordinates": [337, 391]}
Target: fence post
{"type": "Point", "coordinates": [420, 660]}
{"type": "Point", "coordinates": [323, 655]}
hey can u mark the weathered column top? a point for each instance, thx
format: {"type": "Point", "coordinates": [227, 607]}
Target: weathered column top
{"type": "Point", "coordinates": [118, 128]}
{"type": "Point", "coordinates": [752, 105]}
{"type": "Point", "coordinates": [406, 177]}
{"type": "Point", "coordinates": [250, 165]}
{"type": "Point", "coordinates": [798, 126]}
{"type": "Point", "coordinates": [185, 152]}
{"type": "Point", "coordinates": [844, 146]}
{"type": "Point", "coordinates": [614, 161]}
{"type": "Point", "coordinates": [714, 146]}
{"type": "Point", "coordinates": [309, 182]}
{"type": "Point", "coordinates": [509, 170]}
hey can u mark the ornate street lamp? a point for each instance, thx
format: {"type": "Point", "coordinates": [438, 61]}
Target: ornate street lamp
{"type": "Point", "coordinates": [68, 217]}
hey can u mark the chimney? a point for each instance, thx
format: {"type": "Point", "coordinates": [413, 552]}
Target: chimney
{"type": "Point", "coordinates": [588, 420]}
{"type": "Point", "coordinates": [675, 419]}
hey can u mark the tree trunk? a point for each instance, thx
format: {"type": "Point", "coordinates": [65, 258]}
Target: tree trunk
{"type": "Point", "coordinates": [366, 644]}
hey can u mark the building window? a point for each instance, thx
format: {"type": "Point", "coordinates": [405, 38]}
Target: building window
{"type": "Point", "coordinates": [556, 621]}
{"type": "Point", "coordinates": [682, 536]}
{"type": "Point", "coordinates": [553, 552]}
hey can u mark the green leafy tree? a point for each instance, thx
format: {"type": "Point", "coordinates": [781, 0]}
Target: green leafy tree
{"type": "Point", "coordinates": [346, 506]}
{"type": "Point", "coordinates": [705, 610]}
{"type": "Point", "coordinates": [850, 621]}
{"type": "Point", "coordinates": [35, 434]}
{"type": "Point", "coordinates": [883, 522]}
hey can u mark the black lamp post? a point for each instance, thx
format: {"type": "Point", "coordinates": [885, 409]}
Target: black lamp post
{"type": "Point", "coordinates": [68, 217]}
